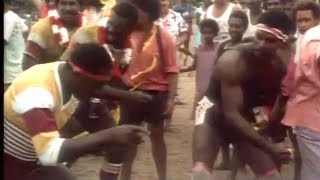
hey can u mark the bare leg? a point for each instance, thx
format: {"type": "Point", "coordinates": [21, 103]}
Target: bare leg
{"type": "Point", "coordinates": [261, 163]}
{"type": "Point", "coordinates": [234, 164]}
{"type": "Point", "coordinates": [205, 149]}
{"type": "Point", "coordinates": [159, 149]}
{"type": "Point", "coordinates": [127, 164]}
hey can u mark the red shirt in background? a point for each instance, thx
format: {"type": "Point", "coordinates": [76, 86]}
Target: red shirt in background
{"type": "Point", "coordinates": [44, 10]}
{"type": "Point", "coordinates": [143, 52]}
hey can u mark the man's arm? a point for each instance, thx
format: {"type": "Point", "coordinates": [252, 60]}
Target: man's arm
{"type": "Point", "coordinates": [52, 149]}
{"type": "Point", "coordinates": [32, 55]}
{"type": "Point", "coordinates": [231, 71]}
{"type": "Point", "coordinates": [182, 38]}
{"type": "Point", "coordinates": [190, 68]}
{"type": "Point", "coordinates": [35, 47]}
{"type": "Point", "coordinates": [108, 92]}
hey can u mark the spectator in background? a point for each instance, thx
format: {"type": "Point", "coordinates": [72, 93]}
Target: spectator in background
{"type": "Point", "coordinates": [173, 23]}
{"type": "Point", "coordinates": [91, 12]}
{"type": "Point", "coordinates": [187, 11]}
{"type": "Point", "coordinates": [273, 5]}
{"type": "Point", "coordinates": [288, 6]}
{"type": "Point", "coordinates": [178, 30]}
{"type": "Point", "coordinates": [254, 10]}
{"type": "Point", "coordinates": [45, 7]}
{"type": "Point", "coordinates": [14, 42]}
{"type": "Point", "coordinates": [200, 13]}
{"type": "Point", "coordinates": [49, 37]}
{"type": "Point", "coordinates": [220, 11]}
{"type": "Point", "coordinates": [204, 59]}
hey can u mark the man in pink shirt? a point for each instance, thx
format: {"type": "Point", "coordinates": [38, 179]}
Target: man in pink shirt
{"type": "Point", "coordinates": [153, 70]}
{"type": "Point", "coordinates": [303, 107]}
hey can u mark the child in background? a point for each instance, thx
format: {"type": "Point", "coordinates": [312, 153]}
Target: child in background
{"type": "Point", "coordinates": [204, 58]}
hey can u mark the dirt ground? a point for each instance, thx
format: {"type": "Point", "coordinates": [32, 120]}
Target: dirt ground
{"type": "Point", "coordinates": [178, 141]}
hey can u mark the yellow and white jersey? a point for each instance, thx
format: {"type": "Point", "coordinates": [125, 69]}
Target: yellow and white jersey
{"type": "Point", "coordinates": [36, 88]}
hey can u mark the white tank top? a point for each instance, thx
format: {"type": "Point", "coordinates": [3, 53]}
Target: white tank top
{"type": "Point", "coordinates": [251, 31]}
{"type": "Point", "coordinates": [222, 21]}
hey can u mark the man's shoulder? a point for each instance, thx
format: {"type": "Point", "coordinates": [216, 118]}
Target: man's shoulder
{"type": "Point", "coordinates": [42, 25]}
{"type": "Point", "coordinates": [87, 33]}
{"type": "Point", "coordinates": [312, 34]}
{"type": "Point", "coordinates": [230, 65]}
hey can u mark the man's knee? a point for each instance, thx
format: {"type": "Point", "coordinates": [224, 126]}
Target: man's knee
{"type": "Point", "coordinates": [156, 131]}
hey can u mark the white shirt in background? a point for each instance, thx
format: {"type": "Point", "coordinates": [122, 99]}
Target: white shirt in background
{"type": "Point", "coordinates": [13, 51]}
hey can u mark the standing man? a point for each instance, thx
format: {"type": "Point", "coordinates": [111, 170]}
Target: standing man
{"type": "Point", "coordinates": [220, 11]}
{"type": "Point", "coordinates": [178, 30]}
{"type": "Point", "coordinates": [252, 73]}
{"type": "Point", "coordinates": [14, 44]}
{"type": "Point", "coordinates": [153, 69]}
{"type": "Point", "coordinates": [49, 37]}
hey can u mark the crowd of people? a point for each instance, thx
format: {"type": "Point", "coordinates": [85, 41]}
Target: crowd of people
{"type": "Point", "coordinates": [107, 67]}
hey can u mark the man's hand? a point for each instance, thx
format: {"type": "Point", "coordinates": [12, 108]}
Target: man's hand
{"type": "Point", "coordinates": [140, 97]}
{"type": "Point", "coordinates": [127, 135]}
{"type": "Point", "coordinates": [281, 152]}
{"type": "Point", "coordinates": [169, 108]}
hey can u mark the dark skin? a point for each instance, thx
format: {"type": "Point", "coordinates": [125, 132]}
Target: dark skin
{"type": "Point", "coordinates": [231, 71]}
{"type": "Point", "coordinates": [206, 4]}
{"type": "Point", "coordinates": [255, 10]}
{"type": "Point", "coordinates": [236, 31]}
{"type": "Point", "coordinates": [274, 5]}
{"type": "Point", "coordinates": [68, 11]}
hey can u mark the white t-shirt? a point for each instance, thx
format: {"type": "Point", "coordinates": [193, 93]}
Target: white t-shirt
{"type": "Point", "coordinates": [222, 21]}
{"type": "Point", "coordinates": [13, 51]}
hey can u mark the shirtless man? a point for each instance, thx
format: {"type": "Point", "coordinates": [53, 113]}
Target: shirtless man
{"type": "Point", "coordinates": [247, 76]}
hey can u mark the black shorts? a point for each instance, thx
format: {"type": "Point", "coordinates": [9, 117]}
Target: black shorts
{"type": "Point", "coordinates": [152, 112]}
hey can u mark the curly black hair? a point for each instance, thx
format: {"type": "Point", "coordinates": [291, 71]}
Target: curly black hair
{"type": "Point", "coordinates": [91, 57]}
{"type": "Point", "coordinates": [279, 20]}
{"type": "Point", "coordinates": [151, 7]}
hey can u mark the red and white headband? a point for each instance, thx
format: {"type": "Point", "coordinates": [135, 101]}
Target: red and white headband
{"type": "Point", "coordinates": [85, 73]}
{"type": "Point", "coordinates": [276, 32]}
